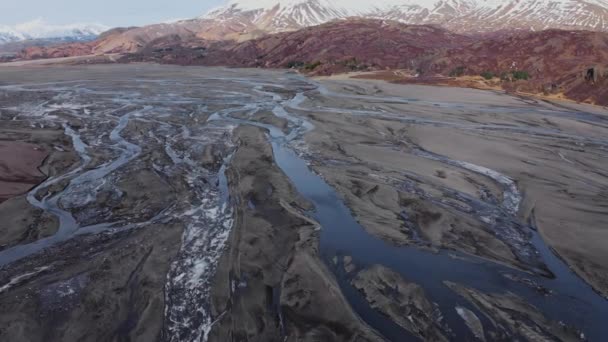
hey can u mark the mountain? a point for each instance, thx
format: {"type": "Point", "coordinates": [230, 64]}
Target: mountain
{"type": "Point", "coordinates": [335, 47]}
{"type": "Point", "coordinates": [554, 61]}
{"type": "Point", "coordinates": [40, 30]}
{"type": "Point", "coordinates": [39, 50]}
{"type": "Point", "coordinates": [8, 35]}
{"type": "Point", "coordinates": [243, 20]}
{"type": "Point", "coordinates": [463, 16]}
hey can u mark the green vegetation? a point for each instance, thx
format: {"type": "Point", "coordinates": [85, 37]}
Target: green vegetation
{"type": "Point", "coordinates": [295, 65]}
{"type": "Point", "coordinates": [457, 72]}
{"type": "Point", "coordinates": [521, 75]}
{"type": "Point", "coordinates": [301, 65]}
{"type": "Point", "coordinates": [488, 75]}
{"type": "Point", "coordinates": [515, 75]}
{"type": "Point", "coordinates": [312, 66]}
{"type": "Point", "coordinates": [353, 64]}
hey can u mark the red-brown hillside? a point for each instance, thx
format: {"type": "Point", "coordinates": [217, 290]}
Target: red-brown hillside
{"type": "Point", "coordinates": [343, 45]}
{"type": "Point", "coordinates": [335, 47]}
{"type": "Point", "coordinates": [553, 61]}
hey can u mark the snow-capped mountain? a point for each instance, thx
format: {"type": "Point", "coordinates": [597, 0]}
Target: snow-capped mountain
{"type": "Point", "coordinates": [456, 15]}
{"type": "Point", "coordinates": [242, 20]}
{"type": "Point", "coordinates": [39, 29]}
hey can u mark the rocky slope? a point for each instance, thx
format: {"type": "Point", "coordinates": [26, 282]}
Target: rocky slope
{"type": "Point", "coordinates": [329, 48]}
{"type": "Point", "coordinates": [41, 51]}
{"type": "Point", "coordinates": [552, 61]}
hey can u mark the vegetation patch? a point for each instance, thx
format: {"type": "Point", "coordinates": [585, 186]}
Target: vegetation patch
{"type": "Point", "coordinates": [458, 71]}
{"type": "Point", "coordinates": [353, 64]}
{"type": "Point", "coordinates": [295, 64]}
{"type": "Point", "coordinates": [521, 75]}
{"type": "Point", "coordinates": [312, 66]}
{"type": "Point", "coordinates": [515, 75]}
{"type": "Point", "coordinates": [488, 75]}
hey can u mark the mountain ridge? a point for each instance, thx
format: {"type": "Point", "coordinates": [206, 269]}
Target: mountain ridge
{"type": "Point", "coordinates": [244, 20]}
{"type": "Point", "coordinates": [40, 30]}
{"type": "Point", "coordinates": [461, 16]}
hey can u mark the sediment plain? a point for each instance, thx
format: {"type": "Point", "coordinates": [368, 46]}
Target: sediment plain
{"type": "Point", "coordinates": [209, 204]}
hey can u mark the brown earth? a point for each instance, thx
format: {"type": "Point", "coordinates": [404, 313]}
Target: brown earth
{"type": "Point", "coordinates": [329, 48]}
{"type": "Point", "coordinates": [273, 256]}
{"type": "Point", "coordinates": [69, 299]}
{"type": "Point", "coordinates": [520, 88]}
{"type": "Point", "coordinates": [27, 157]}
{"type": "Point", "coordinates": [19, 162]}
{"type": "Point", "coordinates": [362, 155]}
{"type": "Point", "coordinates": [57, 51]}
{"type": "Point", "coordinates": [112, 285]}
{"type": "Point", "coordinates": [404, 302]}
{"type": "Point", "coordinates": [513, 315]}
{"type": "Point", "coordinates": [557, 62]}
{"type": "Point", "coordinates": [270, 282]}
{"type": "Point", "coordinates": [73, 49]}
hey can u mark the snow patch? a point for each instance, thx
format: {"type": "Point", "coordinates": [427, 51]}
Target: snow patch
{"type": "Point", "coordinates": [40, 29]}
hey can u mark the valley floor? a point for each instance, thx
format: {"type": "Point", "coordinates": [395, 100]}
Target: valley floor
{"type": "Point", "coordinates": [186, 203]}
{"type": "Point", "coordinates": [406, 77]}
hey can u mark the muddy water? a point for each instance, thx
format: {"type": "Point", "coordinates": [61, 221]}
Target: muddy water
{"type": "Point", "coordinates": [231, 98]}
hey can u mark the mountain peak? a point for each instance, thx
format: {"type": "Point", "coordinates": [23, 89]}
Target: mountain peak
{"type": "Point", "coordinates": [457, 15]}
{"type": "Point", "coordinates": [40, 29]}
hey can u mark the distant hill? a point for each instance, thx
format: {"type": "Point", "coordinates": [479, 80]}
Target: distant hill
{"type": "Point", "coordinates": [44, 33]}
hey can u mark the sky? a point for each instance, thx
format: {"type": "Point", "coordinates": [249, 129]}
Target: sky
{"type": "Point", "coordinates": [107, 12]}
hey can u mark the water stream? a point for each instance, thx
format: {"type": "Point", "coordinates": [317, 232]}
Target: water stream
{"type": "Point", "coordinates": [79, 182]}
{"type": "Point", "coordinates": [208, 216]}
{"type": "Point", "coordinates": [573, 301]}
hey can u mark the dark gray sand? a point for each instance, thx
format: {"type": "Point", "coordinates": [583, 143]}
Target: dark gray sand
{"type": "Point", "coordinates": [206, 204]}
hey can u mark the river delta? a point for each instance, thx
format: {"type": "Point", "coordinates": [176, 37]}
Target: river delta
{"type": "Point", "coordinates": [208, 204]}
